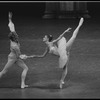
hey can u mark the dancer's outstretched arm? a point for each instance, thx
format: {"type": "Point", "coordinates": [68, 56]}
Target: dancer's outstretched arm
{"type": "Point", "coordinates": [33, 56]}
{"type": "Point", "coordinates": [70, 42]}
{"type": "Point", "coordinates": [44, 54]}
{"type": "Point", "coordinates": [61, 35]}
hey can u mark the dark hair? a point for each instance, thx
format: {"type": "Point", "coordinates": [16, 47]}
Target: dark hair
{"type": "Point", "coordinates": [13, 37]}
{"type": "Point", "coordinates": [50, 37]}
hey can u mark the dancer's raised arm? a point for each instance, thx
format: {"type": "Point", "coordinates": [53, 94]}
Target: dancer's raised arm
{"type": "Point", "coordinates": [11, 25]}
{"type": "Point", "coordinates": [61, 35]}
{"type": "Point", "coordinates": [10, 16]}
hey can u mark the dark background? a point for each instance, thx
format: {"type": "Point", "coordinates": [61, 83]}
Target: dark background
{"type": "Point", "coordinates": [28, 20]}
{"type": "Point", "coordinates": [32, 9]}
{"type": "Point", "coordinates": [36, 9]}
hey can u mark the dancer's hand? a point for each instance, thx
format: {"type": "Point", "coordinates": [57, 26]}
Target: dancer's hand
{"type": "Point", "coordinates": [23, 56]}
{"type": "Point", "coordinates": [10, 15]}
{"type": "Point", "coordinates": [68, 30]}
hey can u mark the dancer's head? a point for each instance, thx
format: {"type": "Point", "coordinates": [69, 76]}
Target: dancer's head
{"type": "Point", "coordinates": [48, 38]}
{"type": "Point", "coordinates": [13, 37]}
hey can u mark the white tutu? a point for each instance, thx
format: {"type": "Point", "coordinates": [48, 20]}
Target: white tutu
{"type": "Point", "coordinates": [62, 46]}
{"type": "Point", "coordinates": [62, 52]}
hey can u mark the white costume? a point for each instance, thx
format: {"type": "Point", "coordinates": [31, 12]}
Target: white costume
{"type": "Point", "coordinates": [62, 52]}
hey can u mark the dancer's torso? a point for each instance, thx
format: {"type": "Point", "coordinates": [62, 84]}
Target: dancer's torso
{"type": "Point", "coordinates": [13, 47]}
{"type": "Point", "coordinates": [53, 49]}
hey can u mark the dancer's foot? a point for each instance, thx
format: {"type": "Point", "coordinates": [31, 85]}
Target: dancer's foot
{"type": "Point", "coordinates": [24, 86]}
{"type": "Point", "coordinates": [81, 21]}
{"type": "Point", "coordinates": [61, 84]}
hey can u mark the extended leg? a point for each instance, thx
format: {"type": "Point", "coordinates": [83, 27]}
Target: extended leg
{"type": "Point", "coordinates": [72, 39]}
{"type": "Point", "coordinates": [7, 66]}
{"type": "Point", "coordinates": [24, 73]}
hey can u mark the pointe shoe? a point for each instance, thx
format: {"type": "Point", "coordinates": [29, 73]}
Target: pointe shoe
{"type": "Point", "coordinates": [81, 21]}
{"type": "Point", "coordinates": [61, 84]}
{"type": "Point", "coordinates": [24, 86]}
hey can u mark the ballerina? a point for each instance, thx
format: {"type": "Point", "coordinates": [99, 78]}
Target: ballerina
{"type": "Point", "coordinates": [62, 50]}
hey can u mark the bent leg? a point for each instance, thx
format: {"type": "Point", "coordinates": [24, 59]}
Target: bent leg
{"type": "Point", "coordinates": [7, 66]}
{"type": "Point", "coordinates": [24, 73]}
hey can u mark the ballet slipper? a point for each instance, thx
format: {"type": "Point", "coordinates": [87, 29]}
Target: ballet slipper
{"type": "Point", "coordinates": [24, 86]}
{"type": "Point", "coordinates": [61, 84]}
{"type": "Point", "coordinates": [81, 21]}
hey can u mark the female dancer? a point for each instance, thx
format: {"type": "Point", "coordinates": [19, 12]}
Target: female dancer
{"type": "Point", "coordinates": [13, 57]}
{"type": "Point", "coordinates": [63, 49]}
